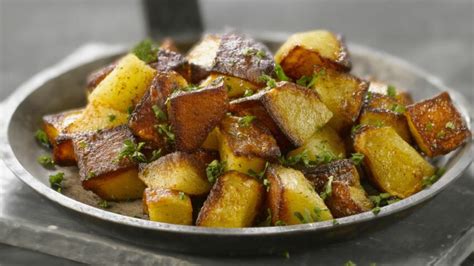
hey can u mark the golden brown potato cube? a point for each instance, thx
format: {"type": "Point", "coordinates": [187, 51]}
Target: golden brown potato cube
{"type": "Point", "coordinates": [382, 101]}
{"type": "Point", "coordinates": [212, 141]}
{"type": "Point", "coordinates": [194, 114]}
{"type": "Point", "coordinates": [393, 165]}
{"type": "Point", "coordinates": [173, 61]}
{"type": "Point", "coordinates": [96, 117]}
{"type": "Point", "coordinates": [177, 171]}
{"type": "Point", "coordinates": [100, 167]}
{"type": "Point", "coordinates": [296, 110]}
{"type": "Point", "coordinates": [303, 51]}
{"type": "Point", "coordinates": [244, 146]}
{"type": "Point", "coordinates": [168, 206]}
{"type": "Point", "coordinates": [201, 57]}
{"type": "Point", "coordinates": [343, 94]}
{"type": "Point", "coordinates": [236, 87]}
{"type": "Point", "coordinates": [382, 117]}
{"type": "Point", "coordinates": [53, 126]}
{"type": "Point", "coordinates": [97, 76]}
{"type": "Point", "coordinates": [323, 141]}
{"type": "Point", "coordinates": [143, 119]}
{"type": "Point", "coordinates": [347, 196]}
{"type": "Point", "coordinates": [242, 57]}
{"type": "Point", "coordinates": [234, 201]}
{"type": "Point", "coordinates": [292, 199]}
{"type": "Point", "coordinates": [437, 125]}
{"type": "Point", "coordinates": [403, 96]}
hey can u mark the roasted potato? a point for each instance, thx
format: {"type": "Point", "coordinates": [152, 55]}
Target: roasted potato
{"type": "Point", "coordinates": [244, 146]}
{"type": "Point", "coordinates": [402, 96]}
{"type": "Point", "coordinates": [143, 120]}
{"type": "Point", "coordinates": [212, 141]}
{"type": "Point", "coordinates": [324, 140]}
{"type": "Point", "coordinates": [292, 199]}
{"type": "Point", "coordinates": [347, 196]}
{"type": "Point", "coordinates": [236, 87]}
{"type": "Point", "coordinates": [234, 201]}
{"type": "Point", "coordinates": [173, 61]}
{"type": "Point", "coordinates": [296, 110]}
{"type": "Point", "coordinates": [97, 76]}
{"type": "Point", "coordinates": [343, 94]}
{"type": "Point", "coordinates": [437, 125]}
{"type": "Point", "coordinates": [393, 165]}
{"type": "Point", "coordinates": [100, 167]}
{"type": "Point", "coordinates": [383, 117]}
{"type": "Point", "coordinates": [54, 126]}
{"type": "Point", "coordinates": [242, 57]}
{"type": "Point", "coordinates": [124, 86]}
{"type": "Point", "coordinates": [168, 206]}
{"type": "Point", "coordinates": [201, 57]}
{"type": "Point", "coordinates": [303, 51]}
{"type": "Point", "coordinates": [177, 171]}
{"type": "Point", "coordinates": [96, 117]}
{"type": "Point", "coordinates": [194, 114]}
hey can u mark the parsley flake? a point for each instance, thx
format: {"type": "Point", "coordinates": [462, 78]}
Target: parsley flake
{"type": "Point", "coordinates": [245, 121]}
{"type": "Point", "coordinates": [357, 158]}
{"type": "Point", "coordinates": [146, 50]}
{"type": "Point", "coordinates": [270, 82]}
{"type": "Point", "coordinates": [181, 195]}
{"type": "Point", "coordinates": [430, 180]}
{"type": "Point", "coordinates": [376, 210]}
{"type": "Point", "coordinates": [280, 73]}
{"type": "Point", "coordinates": [286, 254]}
{"type": "Point", "coordinates": [214, 170]}
{"type": "Point", "coordinates": [166, 131]}
{"type": "Point", "coordinates": [112, 118]}
{"type": "Point", "coordinates": [248, 92]}
{"type": "Point", "coordinates": [350, 263]}
{"type": "Point", "coordinates": [450, 125]}
{"type": "Point", "coordinates": [46, 161]}
{"type": "Point", "coordinates": [42, 138]}
{"type": "Point", "coordinates": [56, 181]}
{"type": "Point", "coordinates": [398, 108]}
{"type": "Point", "coordinates": [159, 114]}
{"type": "Point", "coordinates": [155, 155]}
{"type": "Point", "coordinates": [327, 189]}
{"type": "Point", "coordinates": [391, 91]}
{"type": "Point", "coordinates": [104, 204]}
{"type": "Point", "coordinates": [132, 151]}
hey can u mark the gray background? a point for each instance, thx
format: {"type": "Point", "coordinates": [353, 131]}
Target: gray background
{"type": "Point", "coordinates": [438, 36]}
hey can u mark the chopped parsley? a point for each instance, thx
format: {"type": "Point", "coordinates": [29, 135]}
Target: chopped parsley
{"type": "Point", "coordinates": [350, 263]}
{"type": "Point", "coordinates": [355, 128]}
{"type": "Point", "coordinates": [430, 180]}
{"type": "Point", "coordinates": [90, 175]}
{"type": "Point", "coordinates": [260, 175]}
{"type": "Point", "coordinates": [245, 121]}
{"type": "Point", "coordinates": [166, 131]}
{"type": "Point", "coordinates": [378, 123]}
{"type": "Point", "coordinates": [248, 92]}
{"type": "Point", "coordinates": [132, 151]}
{"type": "Point", "coordinates": [368, 96]}
{"type": "Point", "coordinates": [280, 73]}
{"type": "Point", "coordinates": [270, 82]}
{"type": "Point", "coordinates": [181, 195]}
{"type": "Point", "coordinates": [450, 125]}
{"type": "Point", "coordinates": [286, 254]}
{"type": "Point", "coordinates": [56, 181]}
{"type": "Point", "coordinates": [104, 204]}
{"type": "Point", "coordinates": [146, 50]}
{"type": "Point", "coordinates": [441, 134]}
{"type": "Point", "coordinates": [280, 223]}
{"type": "Point", "coordinates": [323, 157]}
{"type": "Point", "coordinates": [248, 51]}
{"type": "Point", "coordinates": [155, 155]}
{"type": "Point", "coordinates": [382, 199]}
{"type": "Point", "coordinates": [391, 91]}
{"type": "Point", "coordinates": [429, 126]}
{"type": "Point", "coordinates": [327, 189]}
{"type": "Point", "coordinates": [398, 108]}
{"type": "Point", "coordinates": [214, 170]}
{"type": "Point", "coordinates": [46, 161]}
{"type": "Point", "coordinates": [268, 219]}
{"type": "Point", "coordinates": [261, 54]}
{"type": "Point", "coordinates": [357, 158]}
{"type": "Point", "coordinates": [159, 114]}
{"type": "Point", "coordinates": [191, 87]}
{"type": "Point", "coordinates": [82, 144]}
{"type": "Point", "coordinates": [376, 210]}
{"type": "Point", "coordinates": [335, 222]}
{"type": "Point", "coordinates": [130, 110]}
{"type": "Point", "coordinates": [42, 138]}
{"type": "Point", "coordinates": [309, 82]}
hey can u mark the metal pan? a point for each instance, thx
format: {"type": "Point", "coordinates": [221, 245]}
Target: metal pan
{"type": "Point", "coordinates": [62, 87]}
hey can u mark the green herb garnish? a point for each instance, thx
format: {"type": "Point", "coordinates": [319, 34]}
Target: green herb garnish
{"type": "Point", "coordinates": [391, 91]}
{"type": "Point", "coordinates": [146, 50]}
{"type": "Point", "coordinates": [181, 195]}
{"type": "Point", "coordinates": [42, 138]}
{"type": "Point", "coordinates": [327, 189]}
{"type": "Point", "coordinates": [104, 204]}
{"type": "Point", "coordinates": [245, 121]}
{"type": "Point", "coordinates": [90, 175]}
{"type": "Point", "coordinates": [159, 114]}
{"type": "Point", "coordinates": [280, 223]}
{"type": "Point", "coordinates": [309, 82]}
{"type": "Point", "coordinates": [430, 180]}
{"type": "Point", "coordinates": [450, 125]}
{"type": "Point", "coordinates": [167, 132]}
{"type": "Point", "coordinates": [132, 151]}
{"type": "Point", "coordinates": [398, 108]}
{"type": "Point", "coordinates": [248, 92]}
{"type": "Point", "coordinates": [56, 181]}
{"type": "Point", "coordinates": [270, 82]}
{"type": "Point", "coordinates": [355, 128]}
{"type": "Point", "coordinates": [429, 126]}
{"type": "Point", "coordinates": [214, 170]}
{"type": "Point", "coordinates": [112, 118]}
{"type": "Point", "coordinates": [441, 134]}
{"type": "Point", "coordinates": [349, 263]}
{"type": "Point", "coordinates": [357, 158]}
{"type": "Point", "coordinates": [46, 161]}
{"type": "Point", "coordinates": [376, 210]}
{"type": "Point", "coordinates": [335, 222]}
{"type": "Point", "coordinates": [280, 73]}
{"type": "Point", "coordinates": [286, 254]}
{"type": "Point", "coordinates": [155, 155]}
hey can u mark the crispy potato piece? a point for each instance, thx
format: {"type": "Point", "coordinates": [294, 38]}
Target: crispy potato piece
{"type": "Point", "coordinates": [324, 140]}
{"type": "Point", "coordinates": [195, 113]}
{"type": "Point", "coordinates": [403, 96]}
{"type": "Point", "coordinates": [382, 117]}
{"type": "Point", "coordinates": [343, 94]}
{"type": "Point", "coordinates": [236, 87]}
{"type": "Point", "coordinates": [212, 141]}
{"type": "Point", "coordinates": [201, 57]}
{"type": "Point", "coordinates": [292, 199]}
{"type": "Point", "coordinates": [53, 126]}
{"type": "Point", "coordinates": [296, 110]}
{"type": "Point", "coordinates": [101, 172]}
{"type": "Point", "coordinates": [242, 57]}
{"type": "Point", "coordinates": [173, 61]}
{"type": "Point", "coordinates": [245, 148]}
{"type": "Point", "coordinates": [348, 197]}
{"type": "Point", "coordinates": [97, 76]}
{"type": "Point", "coordinates": [382, 101]}
{"type": "Point", "coordinates": [168, 206]}
{"type": "Point", "coordinates": [143, 119]}
{"type": "Point", "coordinates": [303, 51]}
{"type": "Point", "coordinates": [96, 117]}
{"type": "Point", "coordinates": [125, 85]}
{"type": "Point", "coordinates": [393, 165]}
{"type": "Point", "coordinates": [177, 171]}
{"type": "Point", "coordinates": [437, 125]}
{"type": "Point", "coordinates": [234, 201]}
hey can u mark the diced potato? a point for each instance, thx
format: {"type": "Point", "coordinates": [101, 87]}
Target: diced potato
{"type": "Point", "coordinates": [234, 201]}
{"type": "Point", "coordinates": [201, 57]}
{"type": "Point", "coordinates": [393, 165]}
{"type": "Point", "coordinates": [382, 101]}
{"type": "Point", "coordinates": [437, 125]}
{"type": "Point", "coordinates": [325, 140]}
{"type": "Point", "coordinates": [236, 87]}
{"type": "Point", "coordinates": [303, 51]}
{"type": "Point", "coordinates": [168, 206]}
{"type": "Point", "coordinates": [97, 76]}
{"type": "Point", "coordinates": [194, 114]}
{"type": "Point", "coordinates": [173, 61]}
{"type": "Point", "coordinates": [402, 96]}
{"type": "Point", "coordinates": [143, 120]}
{"type": "Point", "coordinates": [124, 86]}
{"type": "Point", "coordinates": [245, 148]}
{"type": "Point", "coordinates": [347, 196]}
{"type": "Point", "coordinates": [296, 110]}
{"type": "Point", "coordinates": [382, 117]}
{"type": "Point", "coordinates": [212, 141]}
{"type": "Point", "coordinates": [53, 126]}
{"type": "Point", "coordinates": [343, 94]}
{"type": "Point", "coordinates": [292, 199]}
{"type": "Point", "coordinates": [177, 171]}
{"type": "Point", "coordinates": [101, 170]}
{"type": "Point", "coordinates": [96, 117]}
{"type": "Point", "coordinates": [242, 57]}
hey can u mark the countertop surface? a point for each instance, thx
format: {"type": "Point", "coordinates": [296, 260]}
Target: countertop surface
{"type": "Point", "coordinates": [438, 36]}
